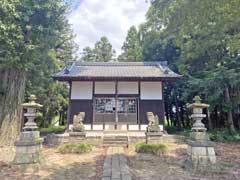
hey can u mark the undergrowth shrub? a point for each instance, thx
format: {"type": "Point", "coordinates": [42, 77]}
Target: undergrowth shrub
{"type": "Point", "coordinates": [75, 148]}
{"type": "Point", "coordinates": [224, 136]}
{"type": "Point", "coordinates": [52, 129]}
{"type": "Point", "coordinates": [151, 148]}
{"type": "Point", "coordinates": [174, 130]}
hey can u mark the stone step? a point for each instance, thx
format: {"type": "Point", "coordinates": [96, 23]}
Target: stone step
{"type": "Point", "coordinates": [115, 142]}
{"type": "Point", "coordinates": [111, 140]}
{"type": "Point", "coordinates": [116, 138]}
{"type": "Point", "coordinates": [115, 132]}
{"type": "Point", "coordinates": [115, 145]}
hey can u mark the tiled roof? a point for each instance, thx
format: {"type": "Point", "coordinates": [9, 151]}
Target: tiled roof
{"type": "Point", "coordinates": [116, 70]}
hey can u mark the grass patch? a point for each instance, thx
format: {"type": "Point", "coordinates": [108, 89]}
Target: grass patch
{"type": "Point", "coordinates": [75, 148]}
{"type": "Point", "coordinates": [52, 129]}
{"type": "Point", "coordinates": [156, 149]}
{"type": "Point", "coordinates": [227, 165]}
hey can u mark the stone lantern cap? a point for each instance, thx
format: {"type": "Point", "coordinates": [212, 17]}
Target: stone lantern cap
{"type": "Point", "coordinates": [32, 103]}
{"type": "Point", "coordinates": [197, 103]}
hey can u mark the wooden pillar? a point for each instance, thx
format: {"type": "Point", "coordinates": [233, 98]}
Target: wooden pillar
{"type": "Point", "coordinates": [116, 102]}
{"type": "Point", "coordinates": [138, 105]}
{"type": "Point", "coordinates": [93, 104]}
{"type": "Point", "coordinates": [69, 103]}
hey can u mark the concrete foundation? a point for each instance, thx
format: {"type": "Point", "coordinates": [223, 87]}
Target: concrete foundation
{"type": "Point", "coordinates": [96, 138]}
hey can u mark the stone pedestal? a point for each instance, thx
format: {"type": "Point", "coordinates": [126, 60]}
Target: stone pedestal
{"type": "Point", "coordinates": [79, 134]}
{"type": "Point", "coordinates": [154, 137]}
{"type": "Point", "coordinates": [201, 154]}
{"type": "Point", "coordinates": [28, 147]}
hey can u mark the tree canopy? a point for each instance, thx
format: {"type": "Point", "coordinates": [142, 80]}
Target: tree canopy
{"type": "Point", "coordinates": [35, 41]}
{"type": "Point", "coordinates": [201, 39]}
{"type": "Point", "coordinates": [131, 47]}
{"type": "Point", "coordinates": [101, 52]}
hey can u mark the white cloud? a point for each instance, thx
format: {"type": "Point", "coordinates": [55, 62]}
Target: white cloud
{"type": "Point", "coordinates": [112, 18]}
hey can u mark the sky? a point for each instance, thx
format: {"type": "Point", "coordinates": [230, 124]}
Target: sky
{"type": "Point", "coordinates": [92, 19]}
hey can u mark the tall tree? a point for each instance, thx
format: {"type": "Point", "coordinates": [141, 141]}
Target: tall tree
{"type": "Point", "coordinates": [88, 54]}
{"type": "Point", "coordinates": [30, 32]}
{"type": "Point", "coordinates": [207, 34]}
{"type": "Point", "coordinates": [131, 47]}
{"type": "Point", "coordinates": [103, 50]}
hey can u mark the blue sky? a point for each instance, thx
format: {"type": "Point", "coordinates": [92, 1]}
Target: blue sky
{"type": "Point", "coordinates": [91, 19]}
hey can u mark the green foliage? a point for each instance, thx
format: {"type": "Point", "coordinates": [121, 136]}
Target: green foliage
{"type": "Point", "coordinates": [132, 50]}
{"type": "Point", "coordinates": [30, 30]}
{"type": "Point", "coordinates": [224, 136]}
{"type": "Point", "coordinates": [151, 148]}
{"type": "Point", "coordinates": [35, 37]}
{"type": "Point", "coordinates": [200, 40]}
{"type": "Point", "coordinates": [101, 52]}
{"type": "Point", "coordinates": [53, 129]}
{"type": "Point", "coordinates": [75, 148]}
{"type": "Point", "coordinates": [88, 54]}
{"type": "Point", "coordinates": [39, 119]}
{"type": "Point", "coordinates": [174, 130]}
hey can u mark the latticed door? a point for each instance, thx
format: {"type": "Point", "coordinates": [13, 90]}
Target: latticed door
{"type": "Point", "coordinates": [127, 110]}
{"type": "Point", "coordinates": [105, 110]}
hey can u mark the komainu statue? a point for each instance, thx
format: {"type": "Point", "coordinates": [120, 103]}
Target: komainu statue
{"type": "Point", "coordinates": [78, 122]}
{"type": "Point", "coordinates": [153, 122]}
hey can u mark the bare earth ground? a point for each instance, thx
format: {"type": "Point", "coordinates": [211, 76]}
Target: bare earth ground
{"type": "Point", "coordinates": [56, 166]}
{"type": "Point", "coordinates": [169, 166]}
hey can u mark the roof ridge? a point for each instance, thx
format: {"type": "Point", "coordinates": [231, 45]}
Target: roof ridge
{"type": "Point", "coordinates": [140, 63]}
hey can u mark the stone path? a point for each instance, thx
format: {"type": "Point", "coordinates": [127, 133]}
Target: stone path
{"type": "Point", "coordinates": [115, 165]}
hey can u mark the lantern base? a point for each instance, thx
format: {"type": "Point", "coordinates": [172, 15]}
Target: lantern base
{"type": "Point", "coordinates": [201, 154]}
{"type": "Point", "coordinates": [28, 148]}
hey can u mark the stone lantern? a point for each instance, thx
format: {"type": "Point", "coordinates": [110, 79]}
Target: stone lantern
{"type": "Point", "coordinates": [31, 107]}
{"type": "Point", "coordinates": [201, 151]}
{"type": "Point", "coordinates": [29, 144]}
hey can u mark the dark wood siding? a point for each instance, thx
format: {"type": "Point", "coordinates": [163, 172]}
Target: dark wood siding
{"type": "Point", "coordinates": [77, 106]}
{"type": "Point", "coordinates": [155, 106]}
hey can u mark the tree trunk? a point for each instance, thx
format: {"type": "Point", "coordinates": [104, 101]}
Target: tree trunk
{"type": "Point", "coordinates": [167, 113]}
{"type": "Point", "coordinates": [177, 113]}
{"type": "Point", "coordinates": [173, 121]}
{"type": "Point", "coordinates": [210, 124]}
{"type": "Point", "coordinates": [229, 113]}
{"type": "Point", "coordinates": [182, 115]}
{"type": "Point", "coordinates": [216, 118]}
{"type": "Point", "coordinates": [238, 116]}
{"type": "Point", "coordinates": [11, 96]}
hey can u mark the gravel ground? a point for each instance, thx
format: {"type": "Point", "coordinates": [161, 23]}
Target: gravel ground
{"type": "Point", "coordinates": [170, 165]}
{"type": "Point", "coordinates": [56, 166]}
{"type": "Point", "coordinates": [53, 166]}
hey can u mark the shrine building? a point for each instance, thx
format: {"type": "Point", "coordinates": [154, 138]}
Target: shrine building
{"type": "Point", "coordinates": [116, 95]}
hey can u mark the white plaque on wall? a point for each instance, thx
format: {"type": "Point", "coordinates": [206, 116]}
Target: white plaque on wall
{"type": "Point", "coordinates": [151, 90]}
{"type": "Point", "coordinates": [125, 87]}
{"type": "Point", "coordinates": [104, 87]}
{"type": "Point", "coordinates": [81, 90]}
